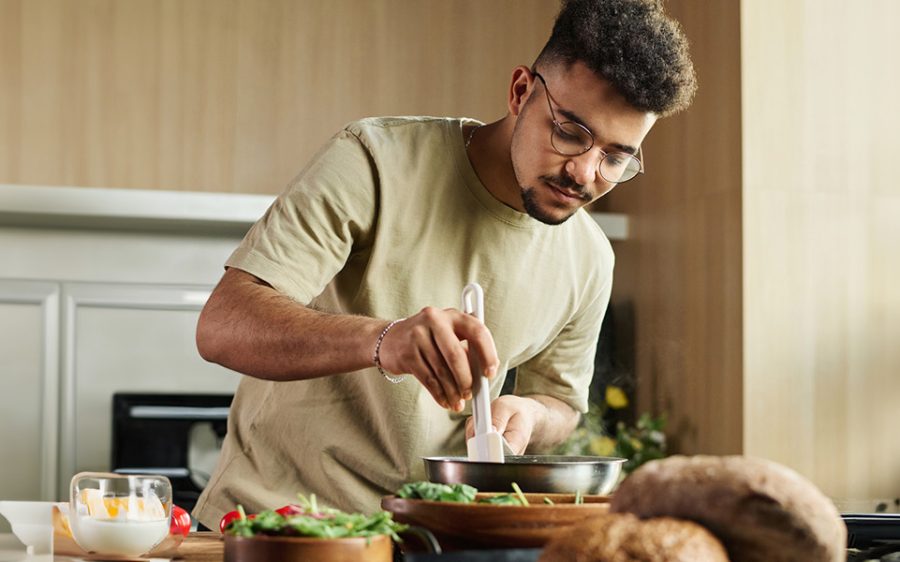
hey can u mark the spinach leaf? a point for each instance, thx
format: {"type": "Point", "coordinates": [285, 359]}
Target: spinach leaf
{"type": "Point", "coordinates": [437, 492]}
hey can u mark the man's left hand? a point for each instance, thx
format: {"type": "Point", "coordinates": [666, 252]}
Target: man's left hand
{"type": "Point", "coordinates": [522, 420]}
{"type": "Point", "coordinates": [514, 418]}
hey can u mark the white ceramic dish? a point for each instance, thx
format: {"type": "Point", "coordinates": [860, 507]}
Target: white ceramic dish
{"type": "Point", "coordinates": [32, 523]}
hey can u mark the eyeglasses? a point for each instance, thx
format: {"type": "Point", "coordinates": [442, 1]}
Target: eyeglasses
{"type": "Point", "coordinates": [573, 139]}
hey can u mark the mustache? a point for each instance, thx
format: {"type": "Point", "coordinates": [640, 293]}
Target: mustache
{"type": "Point", "coordinates": [567, 183]}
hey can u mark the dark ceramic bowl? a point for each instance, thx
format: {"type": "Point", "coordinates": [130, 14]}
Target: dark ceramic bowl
{"type": "Point", "coordinates": [306, 549]}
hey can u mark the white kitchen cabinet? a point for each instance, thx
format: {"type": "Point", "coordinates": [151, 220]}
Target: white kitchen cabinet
{"type": "Point", "coordinates": [96, 300]}
{"type": "Point", "coordinates": [28, 387]}
{"type": "Point", "coordinates": [125, 338]}
{"type": "Point", "coordinates": [29, 352]}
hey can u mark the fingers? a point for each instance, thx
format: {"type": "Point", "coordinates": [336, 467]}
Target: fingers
{"type": "Point", "coordinates": [517, 437]}
{"type": "Point", "coordinates": [456, 358]}
{"type": "Point", "coordinates": [447, 342]}
{"type": "Point", "coordinates": [447, 357]}
{"type": "Point", "coordinates": [480, 342]}
{"type": "Point", "coordinates": [451, 395]}
{"type": "Point", "coordinates": [512, 418]}
{"type": "Point", "coordinates": [425, 375]}
{"type": "Point", "coordinates": [435, 346]}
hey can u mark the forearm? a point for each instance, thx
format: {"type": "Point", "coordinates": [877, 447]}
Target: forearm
{"type": "Point", "coordinates": [554, 422]}
{"type": "Point", "coordinates": [249, 327]}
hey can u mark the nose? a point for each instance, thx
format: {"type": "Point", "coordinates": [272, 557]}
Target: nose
{"type": "Point", "coordinates": [584, 169]}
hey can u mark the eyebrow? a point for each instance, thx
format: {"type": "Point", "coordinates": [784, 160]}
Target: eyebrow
{"type": "Point", "coordinates": [571, 116]}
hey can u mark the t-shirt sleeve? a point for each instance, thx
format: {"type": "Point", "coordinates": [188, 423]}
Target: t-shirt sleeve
{"type": "Point", "coordinates": [306, 236]}
{"type": "Point", "coordinates": [563, 370]}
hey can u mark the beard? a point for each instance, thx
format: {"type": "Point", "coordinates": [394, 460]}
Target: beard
{"type": "Point", "coordinates": [542, 214]}
{"type": "Point", "coordinates": [534, 210]}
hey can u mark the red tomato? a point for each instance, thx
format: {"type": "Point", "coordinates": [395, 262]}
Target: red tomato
{"type": "Point", "coordinates": [229, 517]}
{"type": "Point", "coordinates": [289, 510]}
{"type": "Point", "coordinates": [181, 521]}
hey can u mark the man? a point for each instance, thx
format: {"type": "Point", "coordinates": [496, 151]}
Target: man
{"type": "Point", "coordinates": [340, 304]}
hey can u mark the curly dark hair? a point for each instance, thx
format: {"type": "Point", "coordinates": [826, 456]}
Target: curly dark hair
{"type": "Point", "coordinates": [633, 44]}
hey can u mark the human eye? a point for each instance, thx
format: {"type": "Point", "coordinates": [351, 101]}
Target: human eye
{"type": "Point", "coordinates": [567, 133]}
{"type": "Point", "coordinates": [618, 158]}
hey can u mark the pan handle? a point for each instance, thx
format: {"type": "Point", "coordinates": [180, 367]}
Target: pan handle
{"type": "Point", "coordinates": [425, 537]}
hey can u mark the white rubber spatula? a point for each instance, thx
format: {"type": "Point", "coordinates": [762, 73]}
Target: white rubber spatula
{"type": "Point", "coordinates": [487, 444]}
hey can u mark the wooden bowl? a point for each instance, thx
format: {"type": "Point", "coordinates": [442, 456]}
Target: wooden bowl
{"type": "Point", "coordinates": [477, 525]}
{"type": "Point", "coordinates": [306, 549]}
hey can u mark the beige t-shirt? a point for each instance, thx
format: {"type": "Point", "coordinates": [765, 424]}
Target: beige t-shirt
{"type": "Point", "coordinates": [390, 217]}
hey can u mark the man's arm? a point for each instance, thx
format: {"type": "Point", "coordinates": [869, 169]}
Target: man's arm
{"type": "Point", "coordinates": [535, 422]}
{"type": "Point", "coordinates": [249, 327]}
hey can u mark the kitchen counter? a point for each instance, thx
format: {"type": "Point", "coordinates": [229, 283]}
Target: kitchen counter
{"type": "Point", "coordinates": [208, 547]}
{"type": "Point", "coordinates": [197, 547]}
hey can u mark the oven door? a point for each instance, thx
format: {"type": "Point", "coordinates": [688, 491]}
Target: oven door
{"type": "Point", "coordinates": [176, 435]}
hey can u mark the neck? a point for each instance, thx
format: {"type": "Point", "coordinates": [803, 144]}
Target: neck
{"type": "Point", "coordinates": [489, 153]}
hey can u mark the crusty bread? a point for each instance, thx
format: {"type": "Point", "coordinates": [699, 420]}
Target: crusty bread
{"type": "Point", "coordinates": [625, 538]}
{"type": "Point", "coordinates": [760, 510]}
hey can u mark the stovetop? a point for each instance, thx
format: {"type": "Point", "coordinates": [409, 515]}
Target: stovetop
{"type": "Point", "coordinates": [882, 553]}
{"type": "Point", "coordinates": [873, 553]}
{"type": "Point", "coordinates": [873, 536]}
{"type": "Point", "coordinates": [505, 555]}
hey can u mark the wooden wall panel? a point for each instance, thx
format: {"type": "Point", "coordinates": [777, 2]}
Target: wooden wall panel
{"type": "Point", "coordinates": [680, 269]}
{"type": "Point", "coordinates": [236, 95]}
{"type": "Point", "coordinates": [10, 87]}
{"type": "Point", "coordinates": [822, 232]}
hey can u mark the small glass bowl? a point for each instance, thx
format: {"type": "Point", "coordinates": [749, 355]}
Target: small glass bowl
{"type": "Point", "coordinates": [119, 514]}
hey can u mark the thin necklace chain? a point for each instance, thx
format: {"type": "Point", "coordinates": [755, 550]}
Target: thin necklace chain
{"type": "Point", "coordinates": [472, 134]}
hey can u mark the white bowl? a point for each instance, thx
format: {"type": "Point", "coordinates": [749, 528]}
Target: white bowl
{"type": "Point", "coordinates": [32, 523]}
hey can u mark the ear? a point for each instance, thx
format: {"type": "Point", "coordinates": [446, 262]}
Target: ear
{"type": "Point", "coordinates": [520, 87]}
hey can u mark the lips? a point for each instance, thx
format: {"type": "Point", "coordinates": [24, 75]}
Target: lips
{"type": "Point", "coordinates": [565, 194]}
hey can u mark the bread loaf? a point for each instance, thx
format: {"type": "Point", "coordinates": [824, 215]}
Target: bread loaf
{"type": "Point", "coordinates": [625, 538]}
{"type": "Point", "coordinates": [760, 510]}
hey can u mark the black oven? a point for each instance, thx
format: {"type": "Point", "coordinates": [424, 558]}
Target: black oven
{"type": "Point", "coordinates": [175, 435]}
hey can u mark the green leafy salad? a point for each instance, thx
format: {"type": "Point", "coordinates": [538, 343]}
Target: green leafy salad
{"type": "Point", "coordinates": [310, 520]}
{"type": "Point", "coordinates": [431, 491]}
{"type": "Point", "coordinates": [462, 493]}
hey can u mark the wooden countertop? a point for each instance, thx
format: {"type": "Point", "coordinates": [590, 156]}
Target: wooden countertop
{"type": "Point", "coordinates": [202, 547]}
{"type": "Point", "coordinates": [197, 547]}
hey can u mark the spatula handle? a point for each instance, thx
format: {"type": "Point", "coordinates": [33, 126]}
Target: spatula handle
{"type": "Point", "coordinates": [473, 303]}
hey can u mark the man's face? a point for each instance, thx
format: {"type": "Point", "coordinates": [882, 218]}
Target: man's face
{"type": "Point", "coordinates": [555, 186]}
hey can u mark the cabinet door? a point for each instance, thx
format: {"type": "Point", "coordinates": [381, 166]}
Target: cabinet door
{"type": "Point", "coordinates": [126, 338]}
{"type": "Point", "coordinates": [28, 390]}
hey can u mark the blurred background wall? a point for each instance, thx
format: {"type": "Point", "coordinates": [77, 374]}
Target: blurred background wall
{"type": "Point", "coordinates": [236, 95]}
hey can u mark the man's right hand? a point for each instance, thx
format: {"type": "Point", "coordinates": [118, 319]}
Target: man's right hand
{"type": "Point", "coordinates": [434, 346]}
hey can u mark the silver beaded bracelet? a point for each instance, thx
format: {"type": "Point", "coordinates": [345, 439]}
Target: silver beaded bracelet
{"type": "Point", "coordinates": [376, 358]}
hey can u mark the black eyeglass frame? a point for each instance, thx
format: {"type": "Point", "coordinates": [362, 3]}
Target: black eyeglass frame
{"type": "Point", "coordinates": [558, 129]}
